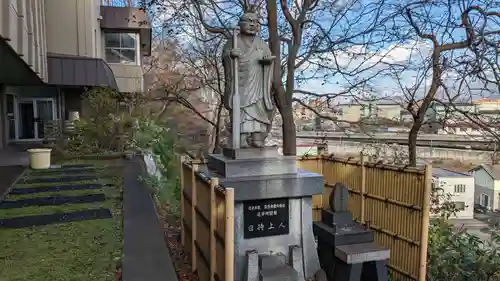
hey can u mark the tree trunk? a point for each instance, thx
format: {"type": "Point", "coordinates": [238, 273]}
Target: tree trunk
{"type": "Point", "coordinates": [289, 132]}
{"type": "Point", "coordinates": [412, 142]}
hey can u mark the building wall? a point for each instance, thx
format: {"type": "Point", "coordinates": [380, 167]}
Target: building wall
{"type": "Point", "coordinates": [487, 105]}
{"type": "Point", "coordinates": [73, 27]}
{"type": "Point", "coordinates": [351, 113]}
{"type": "Point", "coordinates": [3, 119]}
{"type": "Point", "coordinates": [391, 112]}
{"type": "Point", "coordinates": [484, 179]}
{"type": "Point", "coordinates": [448, 186]}
{"type": "Point", "coordinates": [128, 77]}
{"type": "Point", "coordinates": [483, 190]}
{"type": "Point", "coordinates": [77, 21]}
{"type": "Point", "coordinates": [496, 196]}
{"type": "Point", "coordinates": [484, 184]}
{"type": "Point", "coordinates": [22, 26]}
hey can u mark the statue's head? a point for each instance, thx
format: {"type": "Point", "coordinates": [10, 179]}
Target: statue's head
{"type": "Point", "coordinates": [249, 22]}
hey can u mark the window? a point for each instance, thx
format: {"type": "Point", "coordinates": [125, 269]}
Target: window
{"type": "Point", "coordinates": [121, 48]}
{"type": "Point", "coordinates": [459, 188]}
{"type": "Point", "coordinates": [485, 200]}
{"type": "Point", "coordinates": [459, 206]}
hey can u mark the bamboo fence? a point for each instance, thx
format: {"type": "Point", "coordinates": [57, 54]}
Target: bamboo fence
{"type": "Point", "coordinates": [392, 201]}
{"type": "Point", "coordinates": [207, 227]}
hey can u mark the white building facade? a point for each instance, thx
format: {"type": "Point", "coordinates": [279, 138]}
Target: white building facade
{"type": "Point", "coordinates": [487, 186]}
{"type": "Point", "coordinates": [460, 188]}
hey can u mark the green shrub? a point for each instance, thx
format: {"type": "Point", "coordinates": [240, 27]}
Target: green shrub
{"type": "Point", "coordinates": [103, 128]}
{"type": "Point", "coordinates": [461, 256]}
{"type": "Point", "coordinates": [455, 254]}
{"type": "Point", "coordinates": [162, 144]}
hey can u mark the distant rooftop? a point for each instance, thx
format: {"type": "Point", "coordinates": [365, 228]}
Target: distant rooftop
{"type": "Point", "coordinates": [492, 170]}
{"type": "Point", "coordinates": [445, 173]}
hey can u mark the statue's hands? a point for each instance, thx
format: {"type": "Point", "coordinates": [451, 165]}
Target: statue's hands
{"type": "Point", "coordinates": [267, 60]}
{"type": "Point", "coordinates": [235, 53]}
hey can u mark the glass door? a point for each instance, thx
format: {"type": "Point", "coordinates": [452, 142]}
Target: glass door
{"type": "Point", "coordinates": [31, 117]}
{"type": "Point", "coordinates": [26, 120]}
{"type": "Point", "coordinates": [44, 114]}
{"type": "Point", "coordinates": [11, 120]}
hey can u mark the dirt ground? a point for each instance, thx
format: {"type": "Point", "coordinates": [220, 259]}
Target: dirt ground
{"type": "Point", "coordinates": [172, 232]}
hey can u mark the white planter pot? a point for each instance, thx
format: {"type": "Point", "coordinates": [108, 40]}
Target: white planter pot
{"type": "Point", "coordinates": [39, 158]}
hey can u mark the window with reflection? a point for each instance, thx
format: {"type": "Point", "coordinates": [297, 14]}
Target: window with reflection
{"type": "Point", "coordinates": [121, 48]}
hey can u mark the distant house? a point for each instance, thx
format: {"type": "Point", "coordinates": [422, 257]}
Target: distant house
{"type": "Point", "coordinates": [487, 180]}
{"type": "Point", "coordinates": [461, 188]}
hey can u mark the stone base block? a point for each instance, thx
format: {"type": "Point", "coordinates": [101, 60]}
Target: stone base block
{"type": "Point", "coordinates": [361, 253]}
{"type": "Point", "coordinates": [251, 153]}
{"type": "Point", "coordinates": [302, 183]}
{"type": "Point", "coordinates": [339, 218]}
{"type": "Point", "coordinates": [233, 168]}
{"type": "Point", "coordinates": [282, 273]}
{"type": "Point", "coordinates": [339, 236]}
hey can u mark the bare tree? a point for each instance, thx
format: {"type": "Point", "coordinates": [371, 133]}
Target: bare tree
{"type": "Point", "coordinates": [311, 38]}
{"type": "Point", "coordinates": [459, 47]}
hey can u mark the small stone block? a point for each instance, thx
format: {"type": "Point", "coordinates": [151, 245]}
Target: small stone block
{"type": "Point", "coordinates": [339, 197]}
{"type": "Point", "coordinates": [355, 235]}
{"type": "Point", "coordinates": [282, 273]}
{"type": "Point", "coordinates": [252, 272]}
{"type": "Point", "coordinates": [251, 153]}
{"type": "Point", "coordinates": [360, 253]}
{"type": "Point", "coordinates": [271, 261]}
{"type": "Point", "coordinates": [339, 218]}
{"type": "Point", "coordinates": [297, 259]}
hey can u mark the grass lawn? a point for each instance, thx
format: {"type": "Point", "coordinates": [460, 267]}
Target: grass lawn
{"type": "Point", "coordinates": [77, 251]}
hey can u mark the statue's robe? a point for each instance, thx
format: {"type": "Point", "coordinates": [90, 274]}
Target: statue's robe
{"type": "Point", "coordinates": [254, 84]}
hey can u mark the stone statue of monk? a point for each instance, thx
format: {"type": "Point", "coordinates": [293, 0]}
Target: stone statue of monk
{"type": "Point", "coordinates": [255, 66]}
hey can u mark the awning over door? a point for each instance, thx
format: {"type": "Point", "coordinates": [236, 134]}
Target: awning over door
{"type": "Point", "coordinates": [67, 70]}
{"type": "Point", "coordinates": [13, 69]}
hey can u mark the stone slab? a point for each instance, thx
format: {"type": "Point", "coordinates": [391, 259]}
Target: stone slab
{"type": "Point", "coordinates": [271, 261]}
{"type": "Point", "coordinates": [303, 183]}
{"type": "Point", "coordinates": [338, 237]}
{"type": "Point", "coordinates": [339, 218]}
{"type": "Point", "coordinates": [146, 256]}
{"type": "Point", "coordinates": [251, 153]}
{"type": "Point", "coordinates": [232, 168]}
{"type": "Point", "coordinates": [281, 273]}
{"type": "Point", "coordinates": [360, 253]}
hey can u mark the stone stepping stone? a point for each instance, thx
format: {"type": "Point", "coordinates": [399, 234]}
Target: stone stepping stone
{"type": "Point", "coordinates": [39, 220]}
{"type": "Point", "coordinates": [77, 165]}
{"type": "Point", "coordinates": [63, 179]}
{"type": "Point", "coordinates": [32, 190]}
{"type": "Point", "coordinates": [62, 172]}
{"type": "Point", "coordinates": [53, 201]}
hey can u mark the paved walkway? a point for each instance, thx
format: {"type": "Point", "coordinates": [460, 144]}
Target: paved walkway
{"type": "Point", "coordinates": [146, 256]}
{"type": "Point", "coordinates": [9, 175]}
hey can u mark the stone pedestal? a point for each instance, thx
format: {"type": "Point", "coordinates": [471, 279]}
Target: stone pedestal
{"type": "Point", "coordinates": [273, 213]}
{"type": "Point", "coordinates": [346, 249]}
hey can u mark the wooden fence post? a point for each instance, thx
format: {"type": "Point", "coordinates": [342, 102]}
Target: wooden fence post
{"type": "Point", "coordinates": [363, 188]}
{"type": "Point", "coordinates": [193, 217]}
{"type": "Point", "coordinates": [214, 182]}
{"type": "Point", "coordinates": [181, 161]}
{"type": "Point", "coordinates": [229, 235]}
{"type": "Point", "coordinates": [424, 238]}
{"type": "Point", "coordinates": [322, 154]}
